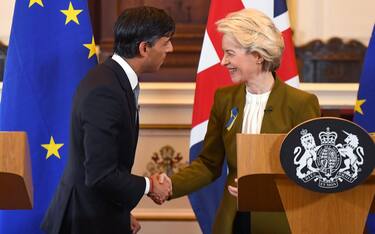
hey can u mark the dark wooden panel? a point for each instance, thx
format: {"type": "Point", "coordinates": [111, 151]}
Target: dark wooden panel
{"type": "Point", "coordinates": [3, 55]}
{"type": "Point", "coordinates": [182, 11]}
{"type": "Point", "coordinates": [108, 15]}
{"type": "Point", "coordinates": [340, 113]}
{"type": "Point", "coordinates": [167, 74]}
{"type": "Point", "coordinates": [95, 16]}
{"type": "Point", "coordinates": [334, 61]}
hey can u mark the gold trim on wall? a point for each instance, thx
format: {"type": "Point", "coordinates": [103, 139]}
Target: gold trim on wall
{"type": "Point", "coordinates": [166, 126]}
{"type": "Point", "coordinates": [162, 216]}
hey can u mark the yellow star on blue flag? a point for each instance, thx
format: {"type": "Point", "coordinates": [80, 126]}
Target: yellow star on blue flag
{"type": "Point", "coordinates": [52, 148]}
{"type": "Point", "coordinates": [92, 47]}
{"type": "Point", "coordinates": [358, 104]}
{"type": "Point", "coordinates": [32, 2]}
{"type": "Point", "coordinates": [71, 14]}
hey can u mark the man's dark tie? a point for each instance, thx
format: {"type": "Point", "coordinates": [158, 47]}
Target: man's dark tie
{"type": "Point", "coordinates": [136, 91]}
{"type": "Point", "coordinates": [136, 95]}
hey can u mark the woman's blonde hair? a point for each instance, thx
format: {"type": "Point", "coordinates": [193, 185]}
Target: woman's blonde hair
{"type": "Point", "coordinates": [256, 33]}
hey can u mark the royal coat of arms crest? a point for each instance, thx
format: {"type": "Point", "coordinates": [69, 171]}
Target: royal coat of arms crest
{"type": "Point", "coordinates": [330, 163]}
{"type": "Point", "coordinates": [326, 153]}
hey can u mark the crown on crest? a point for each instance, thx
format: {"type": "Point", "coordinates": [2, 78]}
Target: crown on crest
{"type": "Point", "coordinates": [328, 137]}
{"type": "Point", "coordinates": [305, 134]}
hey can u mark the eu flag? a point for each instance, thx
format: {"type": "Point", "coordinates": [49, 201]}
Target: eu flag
{"type": "Point", "coordinates": [51, 48]}
{"type": "Point", "coordinates": [364, 110]}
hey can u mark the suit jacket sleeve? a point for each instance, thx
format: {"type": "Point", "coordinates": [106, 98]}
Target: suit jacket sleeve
{"type": "Point", "coordinates": [102, 118]}
{"type": "Point", "coordinates": [207, 167]}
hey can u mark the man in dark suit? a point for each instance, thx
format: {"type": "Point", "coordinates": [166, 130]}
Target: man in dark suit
{"type": "Point", "coordinates": [97, 191]}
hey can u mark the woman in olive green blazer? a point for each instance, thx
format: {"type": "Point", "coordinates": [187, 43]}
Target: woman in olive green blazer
{"type": "Point", "coordinates": [252, 50]}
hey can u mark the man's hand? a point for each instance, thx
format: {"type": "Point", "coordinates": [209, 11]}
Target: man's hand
{"type": "Point", "coordinates": [161, 188]}
{"type": "Point", "coordinates": [134, 225]}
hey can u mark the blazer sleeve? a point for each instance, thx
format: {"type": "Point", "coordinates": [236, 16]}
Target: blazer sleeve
{"type": "Point", "coordinates": [208, 165]}
{"type": "Point", "coordinates": [102, 116]}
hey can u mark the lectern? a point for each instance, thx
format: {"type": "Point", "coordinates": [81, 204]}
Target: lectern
{"type": "Point", "coordinates": [263, 186]}
{"type": "Point", "coordinates": [16, 189]}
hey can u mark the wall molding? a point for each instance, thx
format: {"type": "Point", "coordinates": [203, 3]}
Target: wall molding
{"type": "Point", "coordinates": [164, 214]}
{"type": "Point", "coordinates": [168, 97]}
{"type": "Point", "coordinates": [330, 95]}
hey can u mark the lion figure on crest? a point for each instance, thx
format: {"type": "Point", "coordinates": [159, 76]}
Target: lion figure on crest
{"type": "Point", "coordinates": [347, 151]}
{"type": "Point", "coordinates": [308, 157]}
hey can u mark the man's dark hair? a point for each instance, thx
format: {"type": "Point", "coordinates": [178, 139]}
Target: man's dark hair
{"type": "Point", "coordinates": [139, 24]}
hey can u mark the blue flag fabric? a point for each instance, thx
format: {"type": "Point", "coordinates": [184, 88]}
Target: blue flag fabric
{"type": "Point", "coordinates": [206, 200]}
{"type": "Point", "coordinates": [364, 111]}
{"type": "Point", "coordinates": [51, 49]}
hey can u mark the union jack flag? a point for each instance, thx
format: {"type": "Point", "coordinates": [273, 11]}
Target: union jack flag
{"type": "Point", "coordinates": [211, 75]}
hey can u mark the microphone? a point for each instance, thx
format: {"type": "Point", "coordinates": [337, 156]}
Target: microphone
{"type": "Point", "coordinates": [268, 109]}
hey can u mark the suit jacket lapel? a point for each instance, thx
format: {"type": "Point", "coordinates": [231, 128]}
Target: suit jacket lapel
{"type": "Point", "coordinates": [239, 100]}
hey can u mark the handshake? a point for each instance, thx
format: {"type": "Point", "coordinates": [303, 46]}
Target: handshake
{"type": "Point", "coordinates": [160, 188]}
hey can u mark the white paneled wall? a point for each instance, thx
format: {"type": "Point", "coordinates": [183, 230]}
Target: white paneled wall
{"type": "Point", "coordinates": [322, 19]}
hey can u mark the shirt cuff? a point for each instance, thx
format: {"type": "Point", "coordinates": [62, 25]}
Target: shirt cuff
{"type": "Point", "coordinates": [147, 189]}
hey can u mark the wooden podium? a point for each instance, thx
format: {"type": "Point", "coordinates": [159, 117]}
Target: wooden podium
{"type": "Point", "coordinates": [263, 186]}
{"type": "Point", "coordinates": [16, 189]}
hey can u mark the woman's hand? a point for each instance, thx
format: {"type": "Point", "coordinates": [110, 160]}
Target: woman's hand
{"type": "Point", "coordinates": [233, 190]}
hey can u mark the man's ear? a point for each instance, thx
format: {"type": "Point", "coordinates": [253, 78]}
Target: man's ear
{"type": "Point", "coordinates": [143, 48]}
